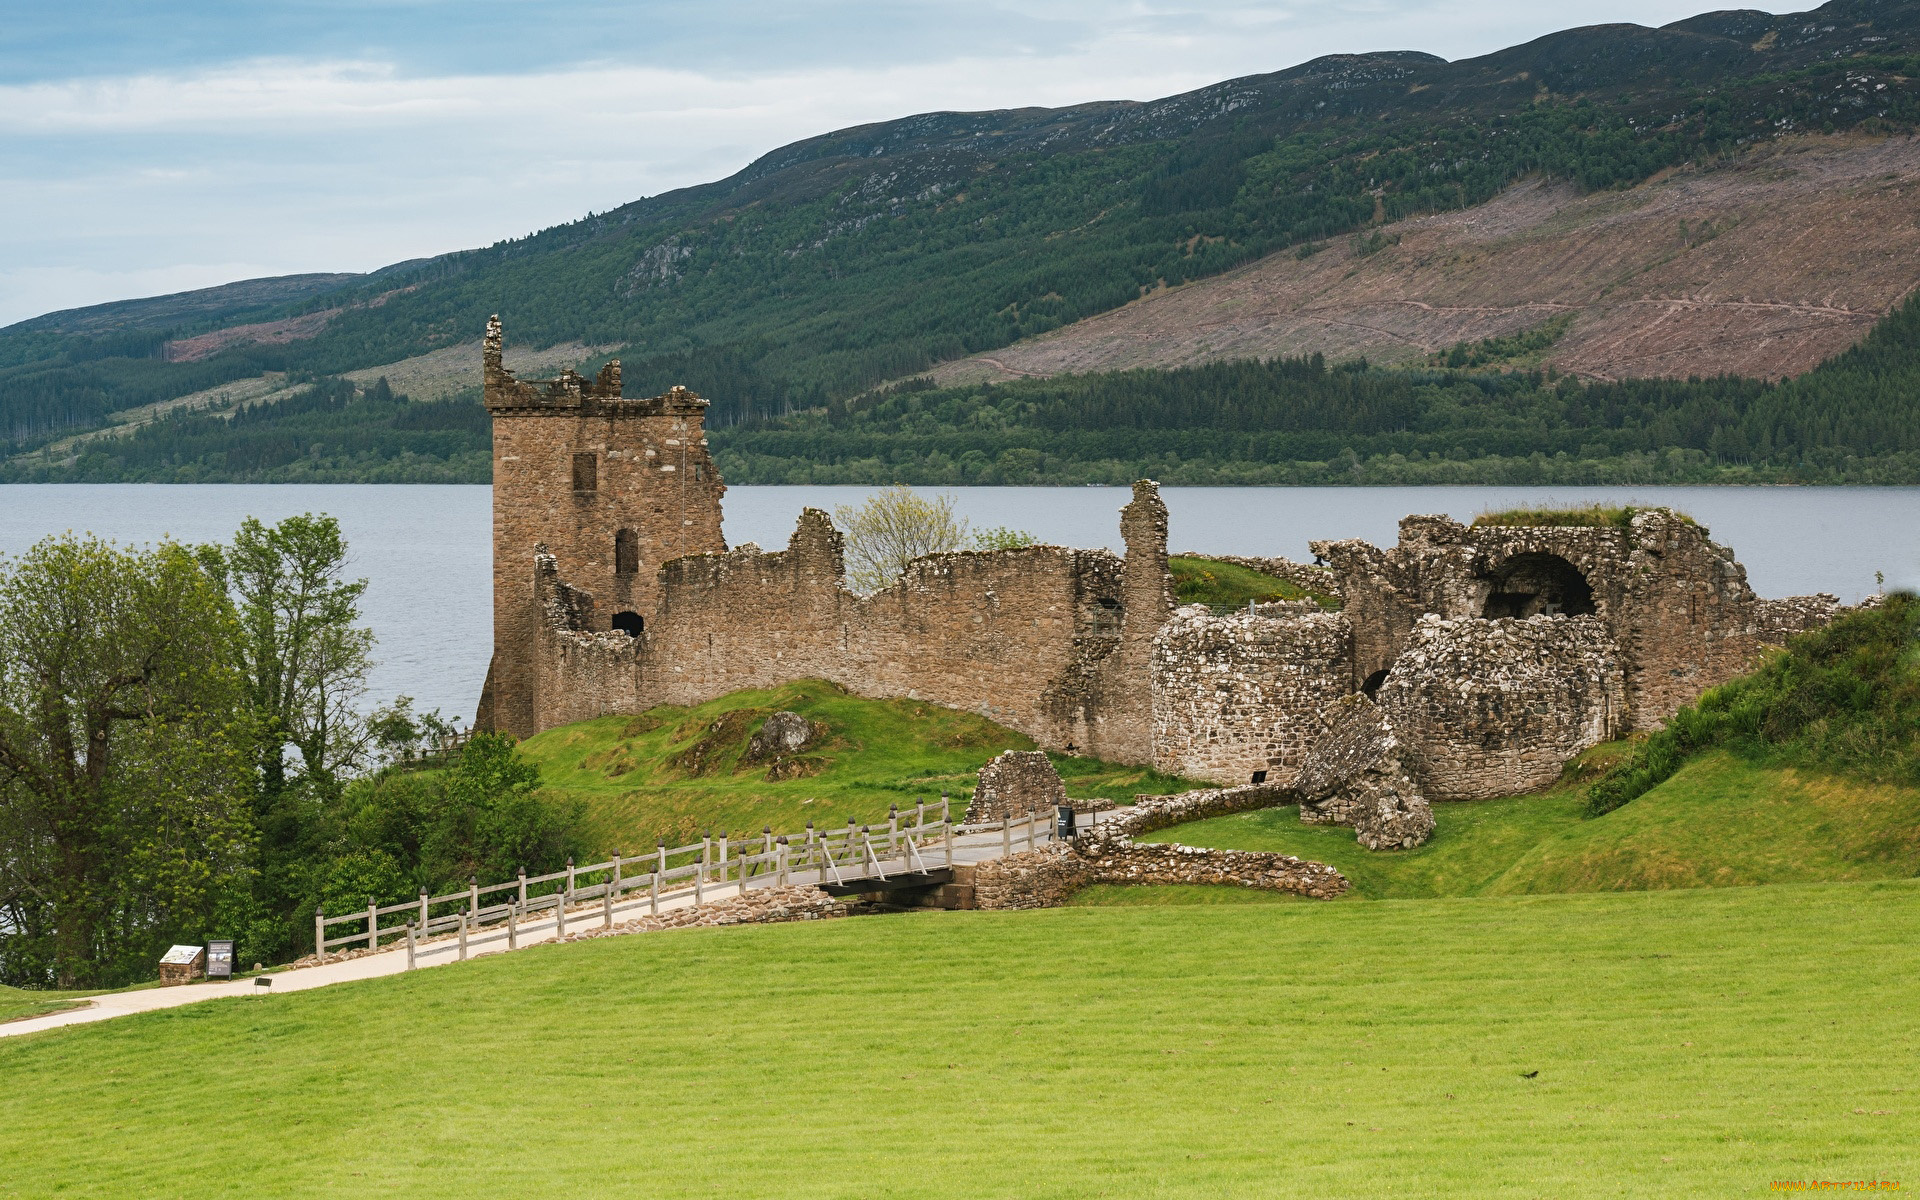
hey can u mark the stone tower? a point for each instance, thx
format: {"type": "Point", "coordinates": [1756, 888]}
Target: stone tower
{"type": "Point", "coordinates": [611, 487]}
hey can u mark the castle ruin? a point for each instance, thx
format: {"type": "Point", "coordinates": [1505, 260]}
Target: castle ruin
{"type": "Point", "coordinates": [1492, 654]}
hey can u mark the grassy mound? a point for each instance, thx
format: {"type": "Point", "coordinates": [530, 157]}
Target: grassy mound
{"type": "Point", "coordinates": [1842, 699]}
{"type": "Point", "coordinates": [1680, 1043]}
{"type": "Point", "coordinates": [671, 773]}
{"type": "Point", "coordinates": [1604, 516]}
{"type": "Point", "coordinates": [1210, 581]}
{"type": "Point", "coordinates": [1718, 821]}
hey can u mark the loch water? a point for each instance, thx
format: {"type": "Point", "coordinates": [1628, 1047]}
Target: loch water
{"type": "Point", "coordinates": [426, 550]}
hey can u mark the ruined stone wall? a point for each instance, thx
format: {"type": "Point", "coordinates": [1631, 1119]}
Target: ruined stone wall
{"type": "Point", "coordinates": [1035, 638]}
{"type": "Point", "coordinates": [1676, 604]}
{"type": "Point", "coordinates": [1045, 877]}
{"type": "Point", "coordinates": [1774, 621]}
{"type": "Point", "coordinates": [611, 487]}
{"type": "Point", "coordinates": [1015, 783]}
{"type": "Point", "coordinates": [1239, 693]}
{"type": "Point", "coordinates": [579, 672]}
{"type": "Point", "coordinates": [1492, 708]}
{"type": "Point", "coordinates": [1383, 592]}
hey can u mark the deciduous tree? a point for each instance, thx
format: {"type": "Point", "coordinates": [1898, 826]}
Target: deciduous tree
{"type": "Point", "coordinates": [123, 775]}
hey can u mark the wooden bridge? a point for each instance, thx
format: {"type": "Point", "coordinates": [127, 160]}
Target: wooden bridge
{"type": "Point", "coordinates": [916, 850]}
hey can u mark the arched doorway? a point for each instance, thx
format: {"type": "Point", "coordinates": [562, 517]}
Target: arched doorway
{"type": "Point", "coordinates": [1371, 686]}
{"type": "Point", "coordinates": [629, 623]}
{"type": "Point", "coordinates": [1527, 584]}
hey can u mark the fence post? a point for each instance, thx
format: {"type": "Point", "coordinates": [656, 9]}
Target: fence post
{"type": "Point", "coordinates": [616, 875]}
{"type": "Point", "coordinates": [473, 898]}
{"type": "Point", "coordinates": [463, 937]}
{"type": "Point", "coordinates": [893, 828]}
{"type": "Point", "coordinates": [523, 889]}
{"type": "Point", "coordinates": [409, 945]}
{"type": "Point", "coordinates": [659, 868]}
{"type": "Point", "coordinates": [722, 877]}
{"type": "Point", "coordinates": [373, 925]}
{"type": "Point", "coordinates": [1030, 817]}
{"type": "Point", "coordinates": [423, 912]}
{"type": "Point", "coordinates": [569, 878]}
{"type": "Point", "coordinates": [700, 870]}
{"type": "Point", "coordinates": [946, 800]}
{"type": "Point", "coordinates": [320, 931]}
{"type": "Point", "coordinates": [513, 926]}
{"type": "Point", "coordinates": [780, 849]}
{"type": "Point", "coordinates": [1006, 836]}
{"type": "Point", "coordinates": [947, 828]}
{"type": "Point", "coordinates": [559, 915]}
{"type": "Point", "coordinates": [606, 909]}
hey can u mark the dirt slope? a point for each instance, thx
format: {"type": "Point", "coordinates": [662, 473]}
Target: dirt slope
{"type": "Point", "coordinates": [1763, 266]}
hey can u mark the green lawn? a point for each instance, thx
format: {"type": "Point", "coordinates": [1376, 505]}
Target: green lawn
{"type": "Point", "coordinates": [1210, 581]}
{"type": "Point", "coordinates": [1661, 1044]}
{"type": "Point", "coordinates": [673, 772]}
{"type": "Point", "coordinates": [1132, 895]}
{"type": "Point", "coordinates": [1719, 821]}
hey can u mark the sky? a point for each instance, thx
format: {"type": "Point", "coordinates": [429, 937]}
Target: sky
{"type": "Point", "coordinates": [152, 146]}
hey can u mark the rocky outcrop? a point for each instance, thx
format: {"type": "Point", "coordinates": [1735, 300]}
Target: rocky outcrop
{"type": "Point", "coordinates": [781, 734]}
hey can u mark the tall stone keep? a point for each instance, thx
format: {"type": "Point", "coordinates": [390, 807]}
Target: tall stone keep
{"type": "Point", "coordinates": [610, 487]}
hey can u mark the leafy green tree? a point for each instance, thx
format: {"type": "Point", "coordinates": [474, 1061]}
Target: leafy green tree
{"type": "Point", "coordinates": [305, 656]}
{"type": "Point", "coordinates": [124, 742]}
{"type": "Point", "coordinates": [894, 527]}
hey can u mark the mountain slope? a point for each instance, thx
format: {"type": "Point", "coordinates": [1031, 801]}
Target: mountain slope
{"type": "Point", "coordinates": [1761, 266]}
{"type": "Point", "coordinates": [873, 253]}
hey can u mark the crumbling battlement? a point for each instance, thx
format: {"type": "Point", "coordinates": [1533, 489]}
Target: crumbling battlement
{"type": "Point", "coordinates": [1490, 708]}
{"type": "Point", "coordinates": [1240, 693]}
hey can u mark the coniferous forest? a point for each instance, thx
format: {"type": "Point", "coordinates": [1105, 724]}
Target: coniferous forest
{"type": "Point", "coordinates": [1852, 420]}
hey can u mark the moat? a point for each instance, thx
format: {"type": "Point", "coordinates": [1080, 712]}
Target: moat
{"type": "Point", "coordinates": [426, 548]}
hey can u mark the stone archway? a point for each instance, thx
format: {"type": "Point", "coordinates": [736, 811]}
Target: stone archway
{"type": "Point", "coordinates": [629, 623]}
{"type": "Point", "coordinates": [1527, 584]}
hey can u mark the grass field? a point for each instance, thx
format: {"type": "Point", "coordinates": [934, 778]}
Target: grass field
{"type": "Point", "coordinates": [1718, 822]}
{"type": "Point", "coordinates": [1672, 1043]}
{"type": "Point", "coordinates": [672, 772]}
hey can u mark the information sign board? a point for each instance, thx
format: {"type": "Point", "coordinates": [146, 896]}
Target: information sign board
{"type": "Point", "coordinates": [219, 958]}
{"type": "Point", "coordinates": [181, 956]}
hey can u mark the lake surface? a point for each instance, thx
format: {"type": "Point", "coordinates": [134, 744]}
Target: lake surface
{"type": "Point", "coordinates": [426, 550]}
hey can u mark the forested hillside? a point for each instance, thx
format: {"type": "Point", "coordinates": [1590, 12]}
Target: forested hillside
{"type": "Point", "coordinates": [1294, 420]}
{"type": "Point", "coordinates": [837, 263]}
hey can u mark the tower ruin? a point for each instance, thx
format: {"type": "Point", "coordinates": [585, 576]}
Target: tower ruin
{"type": "Point", "coordinates": [610, 487]}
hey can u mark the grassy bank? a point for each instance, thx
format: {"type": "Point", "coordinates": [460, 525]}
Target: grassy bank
{"type": "Point", "coordinates": [672, 772]}
{"type": "Point", "coordinates": [1719, 821]}
{"type": "Point", "coordinates": [1655, 1044]}
{"type": "Point", "coordinates": [1210, 581]}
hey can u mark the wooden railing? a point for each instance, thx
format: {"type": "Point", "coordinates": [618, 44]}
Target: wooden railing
{"type": "Point", "coordinates": [913, 841]}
